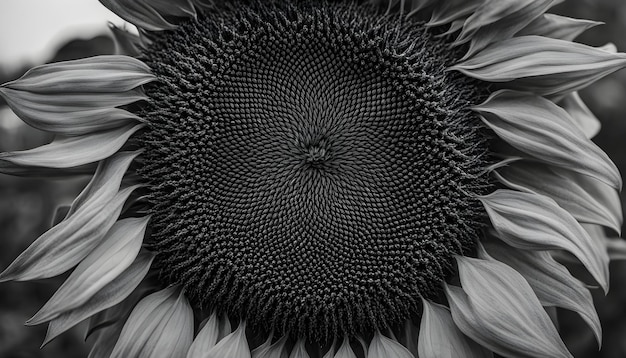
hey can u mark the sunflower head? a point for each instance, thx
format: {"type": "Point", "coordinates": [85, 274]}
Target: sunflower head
{"type": "Point", "coordinates": [326, 176]}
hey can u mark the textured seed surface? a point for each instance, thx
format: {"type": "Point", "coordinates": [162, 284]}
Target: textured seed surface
{"type": "Point", "coordinates": [311, 164]}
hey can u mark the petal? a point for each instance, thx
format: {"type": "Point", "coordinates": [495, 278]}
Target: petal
{"type": "Point", "coordinates": [68, 152]}
{"type": "Point", "coordinates": [501, 311]}
{"type": "Point", "coordinates": [138, 13]}
{"type": "Point", "coordinates": [161, 325]}
{"type": "Point", "coordinates": [616, 248]}
{"type": "Point", "coordinates": [98, 74]}
{"type": "Point", "coordinates": [269, 350]}
{"type": "Point", "coordinates": [213, 330]}
{"type": "Point", "coordinates": [114, 254]}
{"type": "Point", "coordinates": [345, 351]}
{"type": "Point", "coordinates": [552, 282]}
{"type": "Point", "coordinates": [496, 20]}
{"type": "Point", "coordinates": [558, 27]}
{"type": "Point", "coordinates": [535, 222]}
{"type": "Point", "coordinates": [110, 295]}
{"type": "Point", "coordinates": [66, 244]}
{"type": "Point", "coordinates": [416, 5]}
{"type": "Point", "coordinates": [233, 345]}
{"type": "Point", "coordinates": [409, 336]}
{"type": "Point", "coordinates": [545, 131]}
{"type": "Point", "coordinates": [440, 338]}
{"type": "Point", "coordinates": [447, 11]}
{"type": "Point", "coordinates": [587, 199]}
{"type": "Point", "coordinates": [542, 65]}
{"type": "Point", "coordinates": [72, 114]}
{"type": "Point", "coordinates": [299, 350]}
{"type": "Point", "coordinates": [582, 116]}
{"type": "Point", "coordinates": [383, 347]}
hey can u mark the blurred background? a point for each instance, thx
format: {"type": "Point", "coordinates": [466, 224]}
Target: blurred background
{"type": "Point", "coordinates": [33, 32]}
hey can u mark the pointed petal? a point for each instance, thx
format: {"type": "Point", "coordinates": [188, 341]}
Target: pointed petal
{"type": "Point", "coordinates": [70, 152]}
{"type": "Point", "coordinates": [536, 222]}
{"type": "Point", "coordinates": [616, 248]}
{"type": "Point", "coordinates": [299, 350]}
{"type": "Point", "coordinates": [501, 311]}
{"type": "Point", "coordinates": [416, 5]}
{"type": "Point", "coordinates": [551, 281]}
{"type": "Point", "coordinates": [383, 347]}
{"type": "Point", "coordinates": [587, 199]}
{"type": "Point", "coordinates": [97, 74]}
{"type": "Point", "coordinates": [161, 325]}
{"type": "Point", "coordinates": [66, 244]}
{"type": "Point", "coordinates": [331, 351]}
{"type": "Point", "coordinates": [72, 114]}
{"type": "Point", "coordinates": [345, 351]}
{"type": "Point", "coordinates": [114, 254]}
{"type": "Point", "coordinates": [105, 182]}
{"type": "Point", "coordinates": [544, 130]}
{"type": "Point", "coordinates": [558, 27]}
{"type": "Point", "coordinates": [496, 20]}
{"type": "Point", "coordinates": [233, 345]}
{"type": "Point", "coordinates": [269, 350]}
{"type": "Point", "coordinates": [584, 119]}
{"type": "Point", "coordinates": [110, 295]}
{"type": "Point", "coordinates": [139, 13]}
{"type": "Point", "coordinates": [208, 336]}
{"type": "Point", "coordinates": [440, 338]}
{"type": "Point", "coordinates": [542, 65]}
{"type": "Point", "coordinates": [447, 11]}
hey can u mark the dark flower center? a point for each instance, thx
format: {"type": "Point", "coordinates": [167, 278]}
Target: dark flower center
{"type": "Point", "coordinates": [311, 164]}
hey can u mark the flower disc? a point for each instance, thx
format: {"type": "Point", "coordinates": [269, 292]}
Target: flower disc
{"type": "Point", "coordinates": [310, 170]}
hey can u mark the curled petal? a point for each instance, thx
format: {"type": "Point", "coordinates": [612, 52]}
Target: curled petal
{"type": "Point", "coordinates": [535, 222]}
{"type": "Point", "coordinates": [440, 338]}
{"type": "Point", "coordinates": [109, 259]}
{"type": "Point", "coordinates": [151, 15]}
{"type": "Point", "coordinates": [160, 326]}
{"type": "Point", "coordinates": [126, 43]}
{"type": "Point", "coordinates": [587, 199]}
{"type": "Point", "coordinates": [544, 130]}
{"type": "Point", "coordinates": [557, 27]}
{"type": "Point", "coordinates": [110, 295]}
{"type": "Point", "coordinates": [70, 152]}
{"type": "Point", "coordinates": [584, 119]}
{"type": "Point", "coordinates": [448, 11]}
{"type": "Point", "coordinates": [509, 320]}
{"type": "Point", "coordinates": [233, 345]}
{"type": "Point", "coordinates": [383, 347]}
{"type": "Point", "coordinates": [551, 281]}
{"type": "Point", "coordinates": [66, 244]}
{"type": "Point", "coordinates": [545, 66]}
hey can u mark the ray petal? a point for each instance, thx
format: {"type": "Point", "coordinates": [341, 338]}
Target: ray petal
{"type": "Point", "coordinates": [447, 11]}
{"type": "Point", "coordinates": [383, 347]}
{"type": "Point", "coordinates": [269, 350]}
{"type": "Point", "coordinates": [545, 131]}
{"type": "Point", "coordinates": [160, 326]}
{"type": "Point", "coordinates": [587, 199]}
{"type": "Point", "coordinates": [558, 27]}
{"type": "Point", "coordinates": [98, 74]}
{"type": "Point", "coordinates": [208, 336]}
{"type": "Point", "coordinates": [535, 222]}
{"type": "Point", "coordinates": [584, 119]}
{"type": "Point", "coordinates": [114, 254]}
{"type": "Point", "coordinates": [111, 294]}
{"type": "Point", "coordinates": [552, 282]}
{"type": "Point", "coordinates": [345, 351]}
{"type": "Point", "coordinates": [440, 338]}
{"type": "Point", "coordinates": [233, 345]}
{"type": "Point", "coordinates": [542, 65]}
{"type": "Point", "coordinates": [509, 320]}
{"type": "Point", "coordinates": [66, 244]}
{"type": "Point", "coordinates": [69, 152]}
{"type": "Point", "coordinates": [299, 350]}
{"type": "Point", "coordinates": [496, 20]}
{"type": "Point", "coordinates": [126, 43]}
{"type": "Point", "coordinates": [139, 13]}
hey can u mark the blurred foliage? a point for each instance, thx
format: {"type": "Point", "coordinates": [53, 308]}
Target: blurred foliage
{"type": "Point", "coordinates": [28, 205]}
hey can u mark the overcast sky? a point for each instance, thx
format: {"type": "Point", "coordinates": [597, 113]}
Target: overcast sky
{"type": "Point", "coordinates": [30, 30]}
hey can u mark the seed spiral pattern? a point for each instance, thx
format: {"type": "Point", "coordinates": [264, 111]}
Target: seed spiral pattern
{"type": "Point", "coordinates": [311, 164]}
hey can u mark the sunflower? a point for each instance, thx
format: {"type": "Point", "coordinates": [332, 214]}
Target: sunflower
{"type": "Point", "coordinates": [299, 178]}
